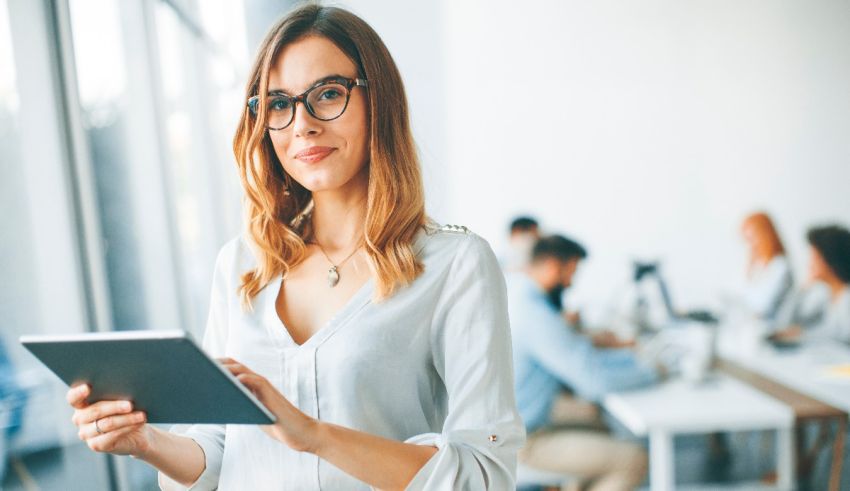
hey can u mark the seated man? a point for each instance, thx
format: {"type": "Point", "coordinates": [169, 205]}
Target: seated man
{"type": "Point", "coordinates": [547, 354]}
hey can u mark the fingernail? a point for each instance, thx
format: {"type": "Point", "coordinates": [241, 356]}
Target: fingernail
{"type": "Point", "coordinates": [126, 405]}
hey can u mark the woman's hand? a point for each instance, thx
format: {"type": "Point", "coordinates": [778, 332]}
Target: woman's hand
{"type": "Point", "coordinates": [609, 340]}
{"type": "Point", "coordinates": [293, 428]}
{"type": "Point", "coordinates": [109, 426]}
{"type": "Point", "coordinates": [789, 335]}
{"type": "Point", "coordinates": [377, 461]}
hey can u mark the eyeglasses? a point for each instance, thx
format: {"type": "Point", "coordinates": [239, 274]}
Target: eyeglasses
{"type": "Point", "coordinates": [324, 101]}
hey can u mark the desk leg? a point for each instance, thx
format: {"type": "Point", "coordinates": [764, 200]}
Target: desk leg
{"type": "Point", "coordinates": [661, 464]}
{"type": "Point", "coordinates": [837, 455]}
{"type": "Point", "coordinates": [785, 458]}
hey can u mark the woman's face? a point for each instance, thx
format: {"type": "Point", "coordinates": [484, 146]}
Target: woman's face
{"type": "Point", "coordinates": [751, 236]}
{"type": "Point", "coordinates": [320, 155]}
{"type": "Point", "coordinates": [818, 269]}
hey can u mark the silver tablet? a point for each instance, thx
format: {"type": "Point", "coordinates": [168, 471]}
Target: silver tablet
{"type": "Point", "coordinates": [164, 373]}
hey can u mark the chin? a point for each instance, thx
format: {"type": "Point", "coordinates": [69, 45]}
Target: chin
{"type": "Point", "coordinates": [323, 176]}
{"type": "Point", "coordinates": [316, 184]}
{"type": "Point", "coordinates": [325, 180]}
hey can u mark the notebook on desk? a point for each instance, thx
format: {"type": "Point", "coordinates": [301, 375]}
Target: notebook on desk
{"type": "Point", "coordinates": [837, 373]}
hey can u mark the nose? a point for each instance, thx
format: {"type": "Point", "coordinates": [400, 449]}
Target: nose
{"type": "Point", "coordinates": [303, 123]}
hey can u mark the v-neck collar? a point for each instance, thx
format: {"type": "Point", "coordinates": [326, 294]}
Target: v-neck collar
{"type": "Point", "coordinates": [280, 333]}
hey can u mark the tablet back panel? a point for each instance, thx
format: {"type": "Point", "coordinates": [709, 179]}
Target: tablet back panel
{"type": "Point", "coordinates": [169, 378]}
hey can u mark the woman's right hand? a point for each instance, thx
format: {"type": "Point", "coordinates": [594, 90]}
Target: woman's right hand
{"type": "Point", "coordinates": [109, 426]}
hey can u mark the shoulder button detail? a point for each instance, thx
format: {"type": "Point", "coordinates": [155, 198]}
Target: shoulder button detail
{"type": "Point", "coordinates": [457, 229]}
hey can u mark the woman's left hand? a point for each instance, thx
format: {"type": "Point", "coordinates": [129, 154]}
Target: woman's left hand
{"type": "Point", "coordinates": [293, 427]}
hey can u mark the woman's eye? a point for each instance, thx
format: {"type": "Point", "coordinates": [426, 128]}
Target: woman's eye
{"type": "Point", "coordinates": [330, 94]}
{"type": "Point", "coordinates": [279, 104]}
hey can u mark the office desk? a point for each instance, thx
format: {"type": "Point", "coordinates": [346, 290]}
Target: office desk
{"type": "Point", "coordinates": [800, 378]}
{"type": "Point", "coordinates": [804, 369]}
{"type": "Point", "coordinates": [722, 403]}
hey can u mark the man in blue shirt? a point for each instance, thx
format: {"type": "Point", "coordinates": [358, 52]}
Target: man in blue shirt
{"type": "Point", "coordinates": [549, 354]}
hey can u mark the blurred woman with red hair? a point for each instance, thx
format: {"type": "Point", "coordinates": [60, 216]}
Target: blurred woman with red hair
{"type": "Point", "coordinates": [769, 279]}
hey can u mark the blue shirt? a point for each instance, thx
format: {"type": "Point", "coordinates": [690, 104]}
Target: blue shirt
{"type": "Point", "coordinates": [547, 353]}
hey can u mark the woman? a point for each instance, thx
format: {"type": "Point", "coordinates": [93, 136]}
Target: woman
{"type": "Point", "coordinates": [769, 279]}
{"type": "Point", "coordinates": [822, 310]}
{"type": "Point", "coordinates": [379, 340]}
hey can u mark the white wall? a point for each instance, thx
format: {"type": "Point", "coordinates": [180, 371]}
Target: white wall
{"type": "Point", "coordinates": [644, 129]}
{"type": "Point", "coordinates": [414, 34]}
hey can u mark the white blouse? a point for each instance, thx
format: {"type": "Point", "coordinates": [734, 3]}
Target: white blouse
{"type": "Point", "coordinates": [430, 365]}
{"type": "Point", "coordinates": [768, 287]}
{"type": "Point", "coordinates": [836, 321]}
{"type": "Point", "coordinates": [821, 316]}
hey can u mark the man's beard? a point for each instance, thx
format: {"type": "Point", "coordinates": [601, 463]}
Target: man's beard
{"type": "Point", "coordinates": [555, 296]}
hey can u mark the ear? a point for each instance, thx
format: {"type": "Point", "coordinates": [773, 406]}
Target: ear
{"type": "Point", "coordinates": [552, 267]}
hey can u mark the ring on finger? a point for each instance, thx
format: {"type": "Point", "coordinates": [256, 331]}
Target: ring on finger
{"type": "Point", "coordinates": [97, 428]}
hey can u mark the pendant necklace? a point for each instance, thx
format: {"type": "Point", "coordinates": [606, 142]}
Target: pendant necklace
{"type": "Point", "coordinates": [333, 272]}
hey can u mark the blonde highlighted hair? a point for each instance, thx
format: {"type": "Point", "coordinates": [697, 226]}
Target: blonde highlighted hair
{"type": "Point", "coordinates": [275, 204]}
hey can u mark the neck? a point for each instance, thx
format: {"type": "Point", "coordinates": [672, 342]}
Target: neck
{"type": "Point", "coordinates": [836, 287]}
{"type": "Point", "coordinates": [762, 258]}
{"type": "Point", "coordinates": [339, 215]}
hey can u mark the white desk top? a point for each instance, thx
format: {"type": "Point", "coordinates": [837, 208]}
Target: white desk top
{"type": "Point", "coordinates": [805, 369]}
{"type": "Point", "coordinates": [719, 404]}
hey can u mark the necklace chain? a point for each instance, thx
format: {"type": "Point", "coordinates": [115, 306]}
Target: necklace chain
{"type": "Point", "coordinates": [333, 272]}
{"type": "Point", "coordinates": [328, 257]}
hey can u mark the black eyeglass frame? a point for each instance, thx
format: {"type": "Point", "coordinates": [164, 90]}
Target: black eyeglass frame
{"type": "Point", "coordinates": [348, 83]}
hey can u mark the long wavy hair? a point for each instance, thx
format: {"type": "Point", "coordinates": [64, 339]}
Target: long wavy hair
{"type": "Point", "coordinates": [767, 243]}
{"type": "Point", "coordinates": [276, 206]}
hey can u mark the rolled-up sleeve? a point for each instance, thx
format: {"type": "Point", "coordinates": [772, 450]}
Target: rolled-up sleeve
{"type": "Point", "coordinates": [471, 348]}
{"type": "Point", "coordinates": [208, 436]}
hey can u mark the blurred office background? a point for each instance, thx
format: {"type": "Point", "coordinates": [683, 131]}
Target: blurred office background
{"type": "Point", "coordinates": [646, 129]}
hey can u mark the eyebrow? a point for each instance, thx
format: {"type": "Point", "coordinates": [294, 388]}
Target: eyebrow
{"type": "Point", "coordinates": [313, 84]}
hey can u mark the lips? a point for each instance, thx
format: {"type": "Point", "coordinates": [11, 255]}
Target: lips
{"type": "Point", "coordinates": [314, 154]}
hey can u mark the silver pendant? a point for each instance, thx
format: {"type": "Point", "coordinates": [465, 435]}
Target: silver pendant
{"type": "Point", "coordinates": [333, 277]}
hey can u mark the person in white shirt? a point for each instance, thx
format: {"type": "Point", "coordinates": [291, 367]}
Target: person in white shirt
{"type": "Point", "coordinates": [379, 340]}
{"type": "Point", "coordinates": [524, 233]}
{"type": "Point", "coordinates": [769, 278]}
{"type": "Point", "coordinates": [822, 310]}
